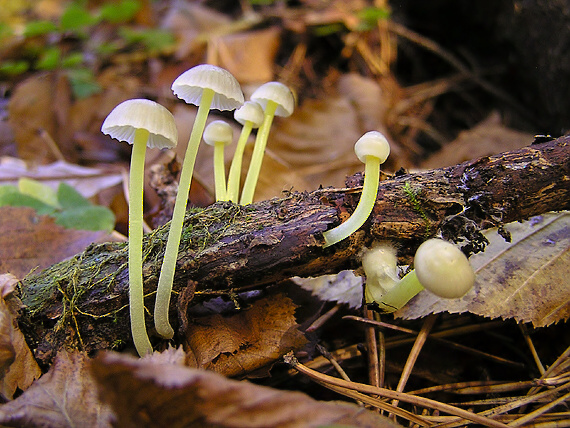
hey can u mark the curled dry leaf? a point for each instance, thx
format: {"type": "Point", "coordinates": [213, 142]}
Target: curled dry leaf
{"type": "Point", "coordinates": [344, 287]}
{"type": "Point", "coordinates": [144, 393]}
{"type": "Point", "coordinates": [66, 396]}
{"type": "Point", "coordinates": [18, 368]}
{"type": "Point", "coordinates": [29, 241]}
{"type": "Point", "coordinates": [248, 341]}
{"type": "Point", "coordinates": [526, 279]}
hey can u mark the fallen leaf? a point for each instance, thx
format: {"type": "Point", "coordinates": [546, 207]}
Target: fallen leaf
{"type": "Point", "coordinates": [18, 368]}
{"type": "Point", "coordinates": [249, 56]}
{"type": "Point", "coordinates": [144, 393]}
{"type": "Point", "coordinates": [66, 396]}
{"type": "Point", "coordinates": [248, 341]}
{"type": "Point", "coordinates": [29, 241]}
{"type": "Point", "coordinates": [344, 287]}
{"type": "Point", "coordinates": [87, 181]}
{"type": "Point", "coordinates": [487, 138]}
{"type": "Point", "coordinates": [527, 280]}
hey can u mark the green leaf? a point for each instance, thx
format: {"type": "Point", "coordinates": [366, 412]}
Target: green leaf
{"type": "Point", "coordinates": [13, 68]}
{"type": "Point", "coordinates": [121, 12]}
{"type": "Point", "coordinates": [328, 29]}
{"type": "Point", "coordinates": [69, 198]}
{"type": "Point", "coordinates": [74, 59]}
{"type": "Point", "coordinates": [39, 191]}
{"type": "Point", "coordinates": [83, 83]}
{"type": "Point", "coordinates": [5, 31]}
{"type": "Point", "coordinates": [8, 188]}
{"type": "Point", "coordinates": [49, 59]}
{"type": "Point", "coordinates": [39, 28]}
{"type": "Point", "coordinates": [76, 18]}
{"type": "Point", "coordinates": [18, 199]}
{"type": "Point", "coordinates": [153, 39]}
{"type": "Point", "coordinates": [369, 17]}
{"type": "Point", "coordinates": [92, 217]}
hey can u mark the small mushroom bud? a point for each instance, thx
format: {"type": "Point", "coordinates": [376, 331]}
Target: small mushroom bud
{"type": "Point", "coordinates": [219, 134]}
{"type": "Point", "coordinates": [372, 149]}
{"type": "Point", "coordinates": [440, 267]}
{"type": "Point", "coordinates": [141, 123]}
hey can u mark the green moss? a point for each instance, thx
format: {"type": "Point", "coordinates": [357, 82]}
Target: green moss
{"type": "Point", "coordinates": [100, 265]}
{"type": "Point", "coordinates": [413, 195]}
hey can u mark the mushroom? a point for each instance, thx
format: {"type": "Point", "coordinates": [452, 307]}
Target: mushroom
{"type": "Point", "coordinates": [250, 116]}
{"type": "Point", "coordinates": [141, 123]}
{"type": "Point", "coordinates": [276, 100]}
{"type": "Point", "coordinates": [206, 86]}
{"type": "Point", "coordinates": [219, 134]}
{"type": "Point", "coordinates": [372, 149]}
{"type": "Point", "coordinates": [440, 267]}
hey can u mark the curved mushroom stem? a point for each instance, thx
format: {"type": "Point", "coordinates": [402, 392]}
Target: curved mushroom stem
{"type": "Point", "coordinates": [136, 294]}
{"type": "Point", "coordinates": [257, 155]}
{"type": "Point", "coordinates": [219, 172]}
{"type": "Point", "coordinates": [235, 168]}
{"type": "Point", "coordinates": [401, 293]}
{"type": "Point", "coordinates": [166, 278]}
{"type": "Point", "coordinates": [364, 207]}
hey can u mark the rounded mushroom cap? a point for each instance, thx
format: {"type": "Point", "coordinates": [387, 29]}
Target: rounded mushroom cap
{"type": "Point", "coordinates": [218, 131]}
{"type": "Point", "coordinates": [373, 143]}
{"type": "Point", "coordinates": [443, 269]}
{"type": "Point", "coordinates": [380, 265]}
{"type": "Point", "coordinates": [278, 93]}
{"type": "Point", "coordinates": [131, 115]}
{"type": "Point", "coordinates": [250, 111]}
{"type": "Point", "coordinates": [190, 85]}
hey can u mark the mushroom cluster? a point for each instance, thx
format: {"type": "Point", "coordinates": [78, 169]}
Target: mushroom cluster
{"type": "Point", "coordinates": [145, 123]}
{"type": "Point", "coordinates": [439, 267]}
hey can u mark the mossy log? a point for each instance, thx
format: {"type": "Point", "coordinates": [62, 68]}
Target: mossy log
{"type": "Point", "coordinates": [82, 302]}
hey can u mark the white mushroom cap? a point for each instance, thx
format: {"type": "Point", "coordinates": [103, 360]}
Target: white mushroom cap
{"type": "Point", "coordinates": [218, 131]}
{"type": "Point", "coordinates": [190, 85]}
{"type": "Point", "coordinates": [443, 269]}
{"type": "Point", "coordinates": [380, 265]}
{"type": "Point", "coordinates": [278, 93]}
{"type": "Point", "coordinates": [373, 143]}
{"type": "Point", "coordinates": [131, 115]}
{"type": "Point", "coordinates": [250, 111]}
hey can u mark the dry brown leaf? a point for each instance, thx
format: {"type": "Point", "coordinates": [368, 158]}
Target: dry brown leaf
{"type": "Point", "coordinates": [29, 241]}
{"type": "Point", "coordinates": [31, 110]}
{"type": "Point", "coordinates": [144, 393]}
{"type": "Point", "coordinates": [247, 341]}
{"type": "Point", "coordinates": [249, 56]}
{"type": "Point", "coordinates": [66, 396]}
{"type": "Point", "coordinates": [487, 138]}
{"type": "Point", "coordinates": [18, 368]}
{"type": "Point", "coordinates": [528, 279]}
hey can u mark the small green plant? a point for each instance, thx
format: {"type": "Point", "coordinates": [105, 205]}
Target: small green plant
{"type": "Point", "coordinates": [42, 48]}
{"type": "Point", "coordinates": [69, 208]}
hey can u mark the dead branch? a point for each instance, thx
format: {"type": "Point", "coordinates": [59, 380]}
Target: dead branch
{"type": "Point", "coordinates": [82, 302]}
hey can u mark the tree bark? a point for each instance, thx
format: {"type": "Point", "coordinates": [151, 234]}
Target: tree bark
{"type": "Point", "coordinates": [82, 302]}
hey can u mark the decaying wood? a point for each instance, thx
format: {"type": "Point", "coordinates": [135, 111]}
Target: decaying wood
{"type": "Point", "coordinates": [82, 302]}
